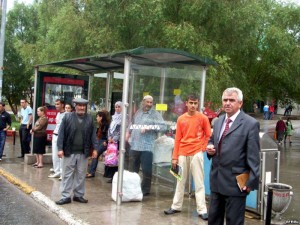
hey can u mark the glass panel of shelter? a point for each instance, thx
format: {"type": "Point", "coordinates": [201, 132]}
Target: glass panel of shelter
{"type": "Point", "coordinates": [152, 131]}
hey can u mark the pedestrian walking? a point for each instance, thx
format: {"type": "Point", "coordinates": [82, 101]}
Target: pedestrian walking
{"type": "Point", "coordinates": [289, 130]}
{"type": "Point", "coordinates": [280, 130]}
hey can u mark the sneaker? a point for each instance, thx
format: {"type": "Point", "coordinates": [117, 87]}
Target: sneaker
{"type": "Point", "coordinates": [203, 216]}
{"type": "Point", "coordinates": [51, 170]}
{"type": "Point", "coordinates": [171, 211]}
{"type": "Point", "coordinates": [0, 159]}
{"type": "Point", "coordinates": [55, 175]}
{"type": "Point", "coordinates": [60, 178]}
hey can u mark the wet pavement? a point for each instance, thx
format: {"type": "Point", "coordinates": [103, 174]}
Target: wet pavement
{"type": "Point", "coordinates": [16, 208]}
{"type": "Point", "coordinates": [102, 210]}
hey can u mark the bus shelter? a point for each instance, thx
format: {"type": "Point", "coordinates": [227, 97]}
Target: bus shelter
{"type": "Point", "coordinates": [167, 75]}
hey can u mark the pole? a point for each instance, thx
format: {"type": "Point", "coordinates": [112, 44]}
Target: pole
{"type": "Point", "coordinates": [203, 80]}
{"type": "Point", "coordinates": [123, 130]}
{"type": "Point", "coordinates": [2, 40]}
{"type": "Point", "coordinates": [269, 206]}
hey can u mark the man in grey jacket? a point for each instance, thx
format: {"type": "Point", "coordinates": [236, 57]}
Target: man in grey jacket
{"type": "Point", "coordinates": [234, 149]}
{"type": "Point", "coordinates": [76, 138]}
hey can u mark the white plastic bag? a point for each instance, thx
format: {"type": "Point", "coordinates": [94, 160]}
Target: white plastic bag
{"type": "Point", "coordinates": [131, 187]}
{"type": "Point", "coordinates": [163, 148]}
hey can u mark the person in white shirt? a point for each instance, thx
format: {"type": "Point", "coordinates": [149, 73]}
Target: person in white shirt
{"type": "Point", "coordinates": [57, 168]}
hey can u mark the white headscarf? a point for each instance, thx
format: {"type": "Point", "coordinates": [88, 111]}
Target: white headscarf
{"type": "Point", "coordinates": [116, 119]}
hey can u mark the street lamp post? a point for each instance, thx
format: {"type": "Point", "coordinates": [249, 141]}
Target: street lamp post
{"type": "Point", "coordinates": [2, 39]}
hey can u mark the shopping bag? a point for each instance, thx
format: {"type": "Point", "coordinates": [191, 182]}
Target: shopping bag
{"type": "Point", "coordinates": [275, 135]}
{"type": "Point", "coordinates": [111, 155]}
{"type": "Point", "coordinates": [131, 190]}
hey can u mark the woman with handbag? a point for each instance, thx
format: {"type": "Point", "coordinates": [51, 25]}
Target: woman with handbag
{"type": "Point", "coordinates": [280, 130]}
{"type": "Point", "coordinates": [111, 165]}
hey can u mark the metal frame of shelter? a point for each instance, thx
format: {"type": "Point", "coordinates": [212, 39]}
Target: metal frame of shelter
{"type": "Point", "coordinates": [121, 61]}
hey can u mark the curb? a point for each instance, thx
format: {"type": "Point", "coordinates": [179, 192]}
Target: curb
{"type": "Point", "coordinates": [43, 200]}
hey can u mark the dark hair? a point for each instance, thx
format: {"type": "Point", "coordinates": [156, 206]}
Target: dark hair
{"type": "Point", "coordinates": [192, 97]}
{"type": "Point", "coordinates": [60, 100]}
{"type": "Point", "coordinates": [2, 103]}
{"type": "Point", "coordinates": [105, 119]}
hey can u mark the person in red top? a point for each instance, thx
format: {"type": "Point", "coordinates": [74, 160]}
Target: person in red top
{"type": "Point", "coordinates": [280, 129]}
{"type": "Point", "coordinates": [192, 134]}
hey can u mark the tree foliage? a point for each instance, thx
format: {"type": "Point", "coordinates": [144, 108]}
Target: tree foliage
{"type": "Point", "coordinates": [255, 43]}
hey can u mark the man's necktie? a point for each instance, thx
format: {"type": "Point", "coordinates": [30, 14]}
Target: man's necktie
{"type": "Point", "coordinates": [224, 133]}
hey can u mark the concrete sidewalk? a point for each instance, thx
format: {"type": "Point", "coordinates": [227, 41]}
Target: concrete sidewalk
{"type": "Point", "coordinates": [101, 209]}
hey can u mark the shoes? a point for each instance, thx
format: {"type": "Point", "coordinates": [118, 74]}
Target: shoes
{"type": "Point", "coordinates": [63, 201]}
{"type": "Point", "coordinates": [38, 167]}
{"type": "Point", "coordinates": [54, 175]}
{"type": "Point", "coordinates": [21, 156]}
{"type": "Point", "coordinates": [146, 194]}
{"type": "Point", "coordinates": [109, 181]}
{"type": "Point", "coordinates": [203, 216]}
{"type": "Point", "coordinates": [34, 165]}
{"type": "Point", "coordinates": [51, 170]}
{"type": "Point", "coordinates": [60, 178]}
{"type": "Point", "coordinates": [171, 211]}
{"type": "Point", "coordinates": [89, 175]}
{"type": "Point", "coordinates": [80, 199]}
{"type": "Point", "coordinates": [0, 159]}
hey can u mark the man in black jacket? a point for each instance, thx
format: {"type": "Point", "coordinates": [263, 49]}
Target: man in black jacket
{"type": "Point", "coordinates": [5, 123]}
{"type": "Point", "coordinates": [76, 137]}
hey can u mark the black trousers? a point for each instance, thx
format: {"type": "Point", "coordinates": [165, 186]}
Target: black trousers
{"type": "Point", "coordinates": [25, 138]}
{"type": "Point", "coordinates": [233, 207]}
{"type": "Point", "coordinates": [143, 159]}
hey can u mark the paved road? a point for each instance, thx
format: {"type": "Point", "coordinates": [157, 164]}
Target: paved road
{"type": "Point", "coordinates": [16, 208]}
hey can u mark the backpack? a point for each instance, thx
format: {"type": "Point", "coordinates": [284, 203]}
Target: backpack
{"type": "Point", "coordinates": [111, 155]}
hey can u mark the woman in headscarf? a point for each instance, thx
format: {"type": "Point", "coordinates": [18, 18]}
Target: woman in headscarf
{"type": "Point", "coordinates": [114, 137]}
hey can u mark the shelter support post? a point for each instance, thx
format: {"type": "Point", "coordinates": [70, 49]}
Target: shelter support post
{"type": "Point", "coordinates": [162, 85]}
{"type": "Point", "coordinates": [203, 80]}
{"type": "Point", "coordinates": [108, 89]}
{"type": "Point", "coordinates": [123, 129]}
{"type": "Point", "coordinates": [36, 70]}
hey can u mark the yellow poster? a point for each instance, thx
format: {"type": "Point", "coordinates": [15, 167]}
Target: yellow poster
{"type": "Point", "coordinates": [161, 107]}
{"type": "Point", "coordinates": [177, 91]}
{"type": "Point", "coordinates": [145, 93]}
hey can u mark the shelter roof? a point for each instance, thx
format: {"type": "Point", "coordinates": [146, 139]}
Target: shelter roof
{"type": "Point", "coordinates": [141, 55]}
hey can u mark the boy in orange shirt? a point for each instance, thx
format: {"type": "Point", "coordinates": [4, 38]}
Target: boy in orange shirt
{"type": "Point", "coordinates": [192, 134]}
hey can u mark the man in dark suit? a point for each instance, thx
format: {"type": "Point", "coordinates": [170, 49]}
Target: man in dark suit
{"type": "Point", "coordinates": [234, 149]}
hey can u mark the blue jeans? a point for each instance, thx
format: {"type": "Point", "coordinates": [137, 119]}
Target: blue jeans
{"type": "Point", "coordinates": [94, 163]}
{"type": "Point", "coordinates": [2, 142]}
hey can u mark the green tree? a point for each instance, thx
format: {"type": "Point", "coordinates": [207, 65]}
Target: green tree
{"type": "Point", "coordinates": [21, 37]}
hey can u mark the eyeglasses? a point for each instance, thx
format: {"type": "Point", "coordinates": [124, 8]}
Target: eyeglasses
{"type": "Point", "coordinates": [117, 106]}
